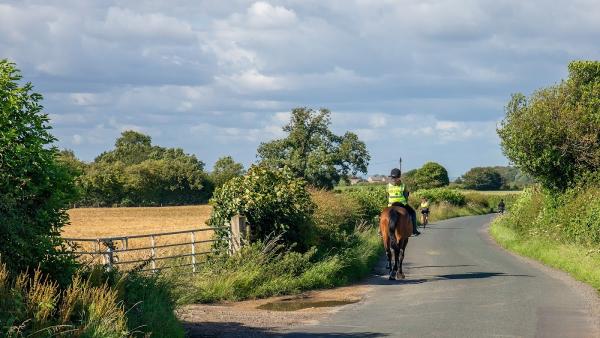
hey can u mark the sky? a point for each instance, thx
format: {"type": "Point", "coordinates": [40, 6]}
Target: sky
{"type": "Point", "coordinates": [422, 80]}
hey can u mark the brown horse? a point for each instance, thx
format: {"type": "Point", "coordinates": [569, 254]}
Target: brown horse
{"type": "Point", "coordinates": [395, 226]}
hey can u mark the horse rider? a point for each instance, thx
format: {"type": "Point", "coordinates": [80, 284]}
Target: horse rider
{"type": "Point", "coordinates": [398, 197]}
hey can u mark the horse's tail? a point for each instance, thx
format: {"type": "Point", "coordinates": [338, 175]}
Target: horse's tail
{"type": "Point", "coordinates": [392, 220]}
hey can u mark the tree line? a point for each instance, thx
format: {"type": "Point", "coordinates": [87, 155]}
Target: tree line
{"type": "Point", "coordinates": [138, 173]}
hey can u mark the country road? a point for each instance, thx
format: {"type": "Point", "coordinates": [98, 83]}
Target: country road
{"type": "Point", "coordinates": [460, 284]}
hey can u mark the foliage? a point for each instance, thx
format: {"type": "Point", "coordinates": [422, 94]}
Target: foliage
{"type": "Point", "coordinates": [94, 304]}
{"type": "Point", "coordinates": [34, 188]}
{"type": "Point", "coordinates": [274, 201]}
{"type": "Point", "coordinates": [335, 216]}
{"type": "Point", "coordinates": [225, 169]}
{"type": "Point", "coordinates": [138, 173]}
{"type": "Point", "coordinates": [313, 152]}
{"type": "Point", "coordinates": [372, 199]}
{"type": "Point", "coordinates": [430, 175]}
{"type": "Point", "coordinates": [150, 304]}
{"type": "Point", "coordinates": [439, 195]}
{"type": "Point", "coordinates": [36, 306]}
{"type": "Point", "coordinates": [573, 216]}
{"type": "Point", "coordinates": [482, 178]}
{"type": "Point", "coordinates": [554, 135]}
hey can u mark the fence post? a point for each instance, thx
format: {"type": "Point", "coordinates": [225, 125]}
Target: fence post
{"type": "Point", "coordinates": [153, 253]}
{"type": "Point", "coordinates": [238, 232]}
{"type": "Point", "coordinates": [109, 258]}
{"type": "Point", "coordinates": [193, 252]}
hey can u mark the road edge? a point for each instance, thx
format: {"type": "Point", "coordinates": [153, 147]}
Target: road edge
{"type": "Point", "coordinates": [589, 293]}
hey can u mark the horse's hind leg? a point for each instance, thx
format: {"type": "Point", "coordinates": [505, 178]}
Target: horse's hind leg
{"type": "Point", "coordinates": [400, 274]}
{"type": "Point", "coordinates": [394, 271]}
{"type": "Point", "coordinates": [388, 252]}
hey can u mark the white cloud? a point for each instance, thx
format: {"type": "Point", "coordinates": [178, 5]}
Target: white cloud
{"type": "Point", "coordinates": [121, 23]}
{"type": "Point", "coordinates": [77, 139]}
{"type": "Point", "coordinates": [262, 14]}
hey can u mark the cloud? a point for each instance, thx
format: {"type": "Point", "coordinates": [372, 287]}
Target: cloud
{"type": "Point", "coordinates": [220, 77]}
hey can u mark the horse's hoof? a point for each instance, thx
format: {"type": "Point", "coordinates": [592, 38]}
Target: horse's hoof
{"type": "Point", "coordinates": [391, 278]}
{"type": "Point", "coordinates": [402, 276]}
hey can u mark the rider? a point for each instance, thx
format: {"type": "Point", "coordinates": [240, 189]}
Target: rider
{"type": "Point", "coordinates": [501, 206]}
{"type": "Point", "coordinates": [398, 196]}
{"type": "Point", "coordinates": [424, 208]}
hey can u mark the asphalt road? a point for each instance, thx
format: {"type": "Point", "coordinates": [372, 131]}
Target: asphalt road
{"type": "Point", "coordinates": [460, 284]}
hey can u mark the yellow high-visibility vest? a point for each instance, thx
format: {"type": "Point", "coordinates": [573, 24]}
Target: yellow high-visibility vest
{"type": "Point", "coordinates": [396, 194]}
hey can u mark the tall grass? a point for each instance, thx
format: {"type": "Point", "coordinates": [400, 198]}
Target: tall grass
{"type": "Point", "coordinates": [94, 304]}
{"type": "Point", "coordinates": [33, 306]}
{"type": "Point", "coordinates": [268, 268]}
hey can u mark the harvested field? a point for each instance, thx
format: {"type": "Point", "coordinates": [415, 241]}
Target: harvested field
{"type": "Point", "coordinates": [107, 222]}
{"type": "Point", "coordinates": [113, 222]}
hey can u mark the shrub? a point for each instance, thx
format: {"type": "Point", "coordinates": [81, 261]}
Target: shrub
{"type": "Point", "coordinates": [335, 216]}
{"type": "Point", "coordinates": [35, 189]}
{"type": "Point", "coordinates": [273, 200]}
{"type": "Point", "coordinates": [371, 200]}
{"type": "Point", "coordinates": [438, 195]}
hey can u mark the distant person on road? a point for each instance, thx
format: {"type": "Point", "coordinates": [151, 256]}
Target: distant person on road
{"type": "Point", "coordinates": [501, 206]}
{"type": "Point", "coordinates": [424, 211]}
{"type": "Point", "coordinates": [398, 197]}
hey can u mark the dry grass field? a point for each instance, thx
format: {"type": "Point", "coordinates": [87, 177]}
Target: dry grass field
{"type": "Point", "coordinates": [113, 222]}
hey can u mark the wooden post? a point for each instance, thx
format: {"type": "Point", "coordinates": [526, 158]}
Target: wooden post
{"type": "Point", "coordinates": [153, 253]}
{"type": "Point", "coordinates": [193, 252]}
{"type": "Point", "coordinates": [238, 233]}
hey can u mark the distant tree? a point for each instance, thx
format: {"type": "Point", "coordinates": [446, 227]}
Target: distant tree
{"type": "Point", "coordinates": [131, 148]}
{"type": "Point", "coordinates": [513, 178]}
{"type": "Point", "coordinates": [225, 169]}
{"type": "Point", "coordinates": [139, 173]}
{"type": "Point", "coordinates": [313, 152]}
{"type": "Point", "coordinates": [35, 189]}
{"type": "Point", "coordinates": [553, 135]}
{"type": "Point", "coordinates": [430, 175]}
{"type": "Point", "coordinates": [482, 178]}
{"type": "Point", "coordinates": [67, 158]}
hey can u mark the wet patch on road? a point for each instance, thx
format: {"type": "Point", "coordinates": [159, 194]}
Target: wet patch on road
{"type": "Point", "coordinates": [295, 304]}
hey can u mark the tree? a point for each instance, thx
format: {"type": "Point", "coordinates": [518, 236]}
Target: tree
{"type": "Point", "coordinates": [313, 152]}
{"type": "Point", "coordinates": [225, 169]}
{"type": "Point", "coordinates": [430, 175]}
{"type": "Point", "coordinates": [131, 148]}
{"type": "Point", "coordinates": [35, 189]}
{"type": "Point", "coordinates": [482, 178]}
{"type": "Point", "coordinates": [139, 173]}
{"type": "Point", "coordinates": [554, 136]}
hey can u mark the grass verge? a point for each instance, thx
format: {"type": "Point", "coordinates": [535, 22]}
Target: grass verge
{"type": "Point", "coordinates": [580, 261]}
{"type": "Point", "coordinates": [270, 269]}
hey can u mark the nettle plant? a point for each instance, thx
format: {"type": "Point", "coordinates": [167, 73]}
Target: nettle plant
{"type": "Point", "coordinates": [274, 201]}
